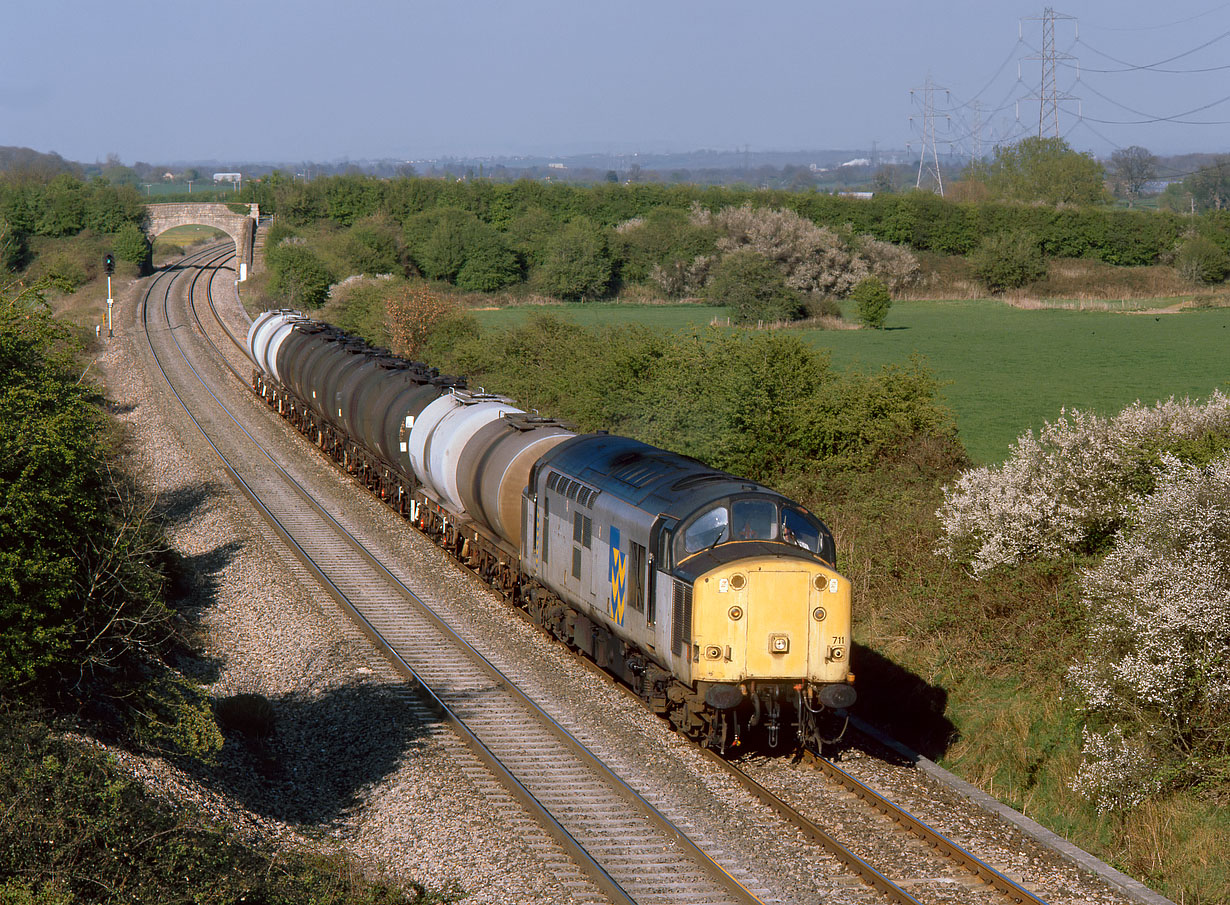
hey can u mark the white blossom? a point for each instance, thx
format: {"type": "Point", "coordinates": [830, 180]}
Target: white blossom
{"type": "Point", "coordinates": [1154, 677]}
{"type": "Point", "coordinates": [1070, 486]}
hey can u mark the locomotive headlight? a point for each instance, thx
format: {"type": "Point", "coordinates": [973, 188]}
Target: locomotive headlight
{"type": "Point", "coordinates": [735, 613]}
{"type": "Point", "coordinates": [779, 643]}
{"type": "Point", "coordinates": [818, 614]}
{"type": "Point", "coordinates": [713, 652]}
{"type": "Point", "coordinates": [837, 653]}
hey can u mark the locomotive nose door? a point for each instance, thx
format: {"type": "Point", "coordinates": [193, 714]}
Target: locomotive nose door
{"type": "Point", "coordinates": [777, 630]}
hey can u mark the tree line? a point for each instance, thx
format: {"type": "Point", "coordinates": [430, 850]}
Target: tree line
{"type": "Point", "coordinates": [585, 242]}
{"type": "Point", "coordinates": [64, 207]}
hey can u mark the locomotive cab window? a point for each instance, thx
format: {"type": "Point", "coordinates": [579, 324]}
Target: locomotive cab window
{"type": "Point", "coordinates": [754, 519]}
{"type": "Point", "coordinates": [750, 518]}
{"type": "Point", "coordinates": [797, 528]}
{"type": "Point", "coordinates": [707, 529]}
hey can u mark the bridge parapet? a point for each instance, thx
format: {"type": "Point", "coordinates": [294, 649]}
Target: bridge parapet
{"type": "Point", "coordinates": [241, 227]}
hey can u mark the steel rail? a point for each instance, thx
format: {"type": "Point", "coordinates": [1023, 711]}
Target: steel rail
{"type": "Point", "coordinates": [933, 838]}
{"type": "Point", "coordinates": [557, 831]}
{"type": "Point", "coordinates": [809, 828]}
{"type": "Point", "coordinates": [1013, 891]}
{"type": "Point", "coordinates": [602, 878]}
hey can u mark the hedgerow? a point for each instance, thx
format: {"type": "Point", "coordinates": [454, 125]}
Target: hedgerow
{"type": "Point", "coordinates": [761, 404]}
{"type": "Point", "coordinates": [1140, 504]}
{"type": "Point", "coordinates": [918, 220]}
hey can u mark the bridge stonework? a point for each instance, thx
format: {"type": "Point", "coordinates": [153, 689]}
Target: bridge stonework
{"type": "Point", "coordinates": [240, 227]}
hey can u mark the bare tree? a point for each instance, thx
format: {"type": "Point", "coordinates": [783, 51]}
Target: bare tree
{"type": "Point", "coordinates": [1132, 168]}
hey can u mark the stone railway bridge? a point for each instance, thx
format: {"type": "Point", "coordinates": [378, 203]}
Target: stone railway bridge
{"type": "Point", "coordinates": [241, 227]}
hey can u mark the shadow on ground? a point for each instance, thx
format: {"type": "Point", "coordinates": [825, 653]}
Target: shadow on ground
{"type": "Point", "coordinates": [325, 749]}
{"type": "Point", "coordinates": [903, 704]}
{"type": "Point", "coordinates": [329, 741]}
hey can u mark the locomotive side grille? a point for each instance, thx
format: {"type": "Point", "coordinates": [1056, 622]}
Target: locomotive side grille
{"type": "Point", "coordinates": [681, 620]}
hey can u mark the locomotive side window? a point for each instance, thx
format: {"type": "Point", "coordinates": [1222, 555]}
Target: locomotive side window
{"type": "Point", "coordinates": [754, 519]}
{"type": "Point", "coordinates": [797, 528]}
{"type": "Point", "coordinates": [546, 526]}
{"type": "Point", "coordinates": [707, 529]}
{"type": "Point", "coordinates": [636, 578]}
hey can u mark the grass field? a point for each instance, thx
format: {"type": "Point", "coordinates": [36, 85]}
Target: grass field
{"type": "Point", "coordinates": [1005, 369]}
{"type": "Point", "coordinates": [186, 235]}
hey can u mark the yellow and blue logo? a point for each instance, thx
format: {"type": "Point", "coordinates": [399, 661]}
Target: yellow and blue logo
{"type": "Point", "coordinates": [619, 578]}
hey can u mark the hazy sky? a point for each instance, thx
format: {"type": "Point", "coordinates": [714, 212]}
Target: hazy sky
{"type": "Point", "coordinates": [312, 80]}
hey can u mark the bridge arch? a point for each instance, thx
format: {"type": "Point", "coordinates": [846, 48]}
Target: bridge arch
{"type": "Point", "coordinates": [241, 227]}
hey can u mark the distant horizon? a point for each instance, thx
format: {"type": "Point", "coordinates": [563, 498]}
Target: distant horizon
{"type": "Point", "coordinates": [751, 153]}
{"type": "Point", "coordinates": [408, 80]}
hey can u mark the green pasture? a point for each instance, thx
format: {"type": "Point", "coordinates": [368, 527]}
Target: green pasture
{"type": "Point", "coordinates": [1005, 369]}
{"type": "Point", "coordinates": [186, 235]}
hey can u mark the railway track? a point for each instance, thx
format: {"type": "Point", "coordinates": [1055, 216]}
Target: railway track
{"type": "Point", "coordinates": [629, 849]}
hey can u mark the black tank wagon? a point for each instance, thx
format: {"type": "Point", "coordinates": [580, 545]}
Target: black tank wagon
{"type": "Point", "coordinates": [716, 598]}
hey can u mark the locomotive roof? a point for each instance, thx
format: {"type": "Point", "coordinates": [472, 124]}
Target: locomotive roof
{"type": "Point", "coordinates": [649, 478]}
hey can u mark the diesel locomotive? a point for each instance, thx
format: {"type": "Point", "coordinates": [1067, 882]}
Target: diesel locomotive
{"type": "Point", "coordinates": [715, 598]}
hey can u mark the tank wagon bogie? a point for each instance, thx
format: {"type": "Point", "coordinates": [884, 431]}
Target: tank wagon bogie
{"type": "Point", "coordinates": [715, 598]}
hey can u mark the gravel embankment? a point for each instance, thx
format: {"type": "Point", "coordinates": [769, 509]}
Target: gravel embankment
{"type": "Point", "coordinates": [355, 761]}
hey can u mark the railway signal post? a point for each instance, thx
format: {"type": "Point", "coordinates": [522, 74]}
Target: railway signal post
{"type": "Point", "coordinates": [109, 266]}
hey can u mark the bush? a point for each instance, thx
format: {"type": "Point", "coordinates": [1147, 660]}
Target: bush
{"type": "Point", "coordinates": [13, 249]}
{"type": "Point", "coordinates": [373, 246]}
{"type": "Point", "coordinates": [1066, 490]}
{"type": "Point", "coordinates": [357, 305]}
{"type": "Point", "coordinates": [172, 717]}
{"type": "Point", "coordinates": [51, 508]}
{"type": "Point", "coordinates": [455, 246]}
{"type": "Point", "coordinates": [577, 263]}
{"type": "Point", "coordinates": [873, 302]}
{"type": "Point", "coordinates": [892, 264]}
{"type": "Point", "coordinates": [62, 267]}
{"type": "Point", "coordinates": [1201, 260]}
{"type": "Point", "coordinates": [277, 232]}
{"type": "Point", "coordinates": [1156, 673]}
{"type": "Point", "coordinates": [822, 306]}
{"type": "Point", "coordinates": [132, 245]}
{"type": "Point", "coordinates": [411, 313]}
{"type": "Point", "coordinates": [812, 258]}
{"type": "Point", "coordinates": [662, 239]}
{"type": "Point", "coordinates": [79, 568]}
{"type": "Point", "coordinates": [297, 276]}
{"type": "Point", "coordinates": [753, 289]}
{"type": "Point", "coordinates": [683, 278]}
{"type": "Point", "coordinates": [1008, 260]}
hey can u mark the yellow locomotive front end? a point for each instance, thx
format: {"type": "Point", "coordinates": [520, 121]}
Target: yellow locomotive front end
{"type": "Point", "coordinates": [769, 620]}
{"type": "Point", "coordinates": [772, 619]}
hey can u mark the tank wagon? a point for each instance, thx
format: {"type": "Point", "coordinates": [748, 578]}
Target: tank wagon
{"type": "Point", "coordinates": [715, 598]}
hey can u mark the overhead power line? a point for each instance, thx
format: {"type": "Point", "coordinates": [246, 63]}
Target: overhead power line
{"type": "Point", "coordinates": [1162, 25]}
{"type": "Point", "coordinates": [1155, 67]}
